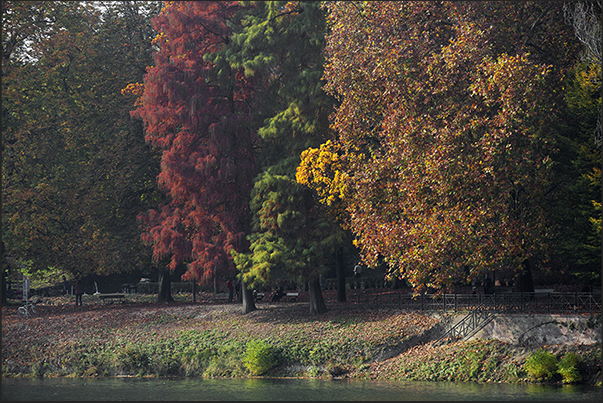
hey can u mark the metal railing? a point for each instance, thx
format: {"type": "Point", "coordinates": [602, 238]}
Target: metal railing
{"type": "Point", "coordinates": [550, 302]}
{"type": "Point", "coordinates": [467, 326]}
{"type": "Point", "coordinates": [479, 317]}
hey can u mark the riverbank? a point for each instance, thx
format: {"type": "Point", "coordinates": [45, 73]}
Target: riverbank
{"type": "Point", "coordinates": [206, 339]}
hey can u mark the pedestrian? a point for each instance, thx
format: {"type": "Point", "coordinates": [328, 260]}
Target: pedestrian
{"type": "Point", "coordinates": [65, 286]}
{"type": "Point", "coordinates": [357, 270]}
{"type": "Point", "coordinates": [230, 290]}
{"type": "Point", "coordinates": [79, 291]}
{"type": "Point", "coordinates": [487, 285]}
{"type": "Point", "coordinates": [277, 295]}
{"type": "Point", "coordinates": [238, 295]}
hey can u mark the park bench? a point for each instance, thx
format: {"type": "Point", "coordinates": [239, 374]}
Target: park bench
{"type": "Point", "coordinates": [287, 296]}
{"type": "Point", "coordinates": [128, 288]}
{"type": "Point", "coordinates": [502, 290]}
{"type": "Point", "coordinates": [291, 296]}
{"type": "Point", "coordinates": [111, 297]}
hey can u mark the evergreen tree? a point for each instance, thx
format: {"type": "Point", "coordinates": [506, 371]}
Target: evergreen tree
{"type": "Point", "coordinates": [292, 235]}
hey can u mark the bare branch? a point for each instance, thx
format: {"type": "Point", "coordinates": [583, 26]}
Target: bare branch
{"type": "Point", "coordinates": [585, 18]}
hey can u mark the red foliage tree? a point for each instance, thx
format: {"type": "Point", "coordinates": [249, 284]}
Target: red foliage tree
{"type": "Point", "coordinates": [195, 111]}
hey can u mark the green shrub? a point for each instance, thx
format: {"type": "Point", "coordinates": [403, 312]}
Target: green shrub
{"type": "Point", "coordinates": [133, 359]}
{"type": "Point", "coordinates": [568, 368]}
{"type": "Point", "coordinates": [259, 357]}
{"type": "Point", "coordinates": [541, 365]}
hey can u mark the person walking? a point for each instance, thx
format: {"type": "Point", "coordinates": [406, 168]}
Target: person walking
{"type": "Point", "coordinates": [79, 291]}
{"type": "Point", "coordinates": [65, 286]}
{"type": "Point", "coordinates": [357, 270]}
{"type": "Point", "coordinates": [230, 290]}
{"type": "Point", "coordinates": [238, 295]}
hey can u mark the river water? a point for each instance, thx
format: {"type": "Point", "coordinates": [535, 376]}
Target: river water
{"type": "Point", "coordinates": [267, 389]}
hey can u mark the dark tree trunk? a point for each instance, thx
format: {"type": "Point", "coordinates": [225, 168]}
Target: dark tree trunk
{"type": "Point", "coordinates": [317, 302]}
{"type": "Point", "coordinates": [340, 270]}
{"type": "Point", "coordinates": [524, 282]}
{"type": "Point", "coordinates": [164, 294]}
{"type": "Point", "coordinates": [4, 279]}
{"type": "Point", "coordinates": [248, 302]}
{"type": "Point", "coordinates": [194, 291]}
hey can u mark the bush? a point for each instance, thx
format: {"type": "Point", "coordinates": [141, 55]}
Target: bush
{"type": "Point", "coordinates": [568, 368]}
{"type": "Point", "coordinates": [133, 359]}
{"type": "Point", "coordinates": [541, 365]}
{"type": "Point", "coordinates": [259, 357]}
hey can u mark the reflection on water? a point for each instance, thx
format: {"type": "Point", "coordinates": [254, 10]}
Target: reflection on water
{"type": "Point", "coordinates": [153, 389]}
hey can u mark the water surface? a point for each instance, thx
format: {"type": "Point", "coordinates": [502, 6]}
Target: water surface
{"type": "Point", "coordinates": [266, 389]}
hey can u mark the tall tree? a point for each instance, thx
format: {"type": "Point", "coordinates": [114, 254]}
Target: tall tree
{"type": "Point", "coordinates": [196, 111]}
{"type": "Point", "coordinates": [76, 170]}
{"type": "Point", "coordinates": [577, 207]}
{"type": "Point", "coordinates": [444, 132]}
{"type": "Point", "coordinates": [292, 235]}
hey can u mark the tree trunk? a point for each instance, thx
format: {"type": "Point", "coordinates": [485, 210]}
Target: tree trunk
{"type": "Point", "coordinates": [317, 302]}
{"type": "Point", "coordinates": [4, 279]}
{"type": "Point", "coordinates": [194, 291]}
{"type": "Point", "coordinates": [524, 282]}
{"type": "Point", "coordinates": [340, 270]}
{"type": "Point", "coordinates": [248, 302]}
{"type": "Point", "coordinates": [164, 294]}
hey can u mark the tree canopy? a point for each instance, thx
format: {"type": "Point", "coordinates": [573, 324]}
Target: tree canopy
{"type": "Point", "coordinates": [451, 140]}
{"type": "Point", "coordinates": [445, 133]}
{"type": "Point", "coordinates": [292, 236]}
{"type": "Point", "coordinates": [75, 169]}
{"type": "Point", "coordinates": [196, 112]}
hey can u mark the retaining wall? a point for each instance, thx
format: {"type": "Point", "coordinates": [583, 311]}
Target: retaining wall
{"type": "Point", "coordinates": [542, 329]}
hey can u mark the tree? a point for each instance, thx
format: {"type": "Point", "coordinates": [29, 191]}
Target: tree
{"type": "Point", "coordinates": [196, 111]}
{"type": "Point", "coordinates": [576, 210]}
{"type": "Point", "coordinates": [585, 17]}
{"type": "Point", "coordinates": [577, 207]}
{"type": "Point", "coordinates": [292, 236]}
{"type": "Point", "coordinates": [444, 133]}
{"type": "Point", "coordinates": [76, 170]}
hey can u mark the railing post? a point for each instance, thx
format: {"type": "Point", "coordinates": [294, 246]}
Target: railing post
{"type": "Point", "coordinates": [455, 302]}
{"type": "Point", "coordinates": [590, 303]}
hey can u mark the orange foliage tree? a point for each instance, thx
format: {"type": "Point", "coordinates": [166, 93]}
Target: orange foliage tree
{"type": "Point", "coordinates": [443, 156]}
